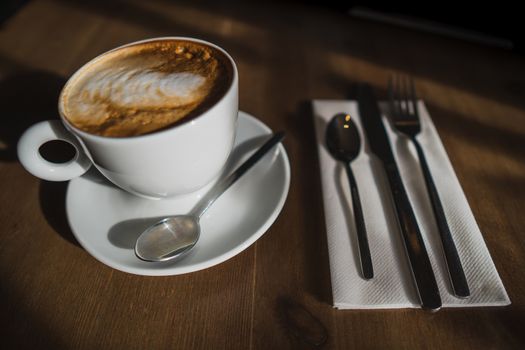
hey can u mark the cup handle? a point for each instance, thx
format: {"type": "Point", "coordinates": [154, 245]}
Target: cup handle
{"type": "Point", "coordinates": [29, 152]}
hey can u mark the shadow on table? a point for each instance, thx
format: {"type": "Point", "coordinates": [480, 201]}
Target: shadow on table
{"type": "Point", "coordinates": [24, 321]}
{"type": "Point", "coordinates": [28, 97]}
{"type": "Point", "coordinates": [9, 8]}
{"type": "Point", "coordinates": [52, 198]}
{"type": "Point", "coordinates": [306, 177]}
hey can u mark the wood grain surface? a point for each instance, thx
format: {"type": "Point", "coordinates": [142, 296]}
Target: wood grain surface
{"type": "Point", "coordinates": [276, 294]}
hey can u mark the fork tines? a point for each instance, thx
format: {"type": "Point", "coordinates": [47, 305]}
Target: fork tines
{"type": "Point", "coordinates": [402, 96]}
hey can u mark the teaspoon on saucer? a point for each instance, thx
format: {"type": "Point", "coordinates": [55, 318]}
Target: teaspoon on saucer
{"type": "Point", "coordinates": [173, 237]}
{"type": "Point", "coordinates": [343, 142]}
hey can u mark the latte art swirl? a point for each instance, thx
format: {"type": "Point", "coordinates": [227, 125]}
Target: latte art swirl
{"type": "Point", "coordinates": [145, 87]}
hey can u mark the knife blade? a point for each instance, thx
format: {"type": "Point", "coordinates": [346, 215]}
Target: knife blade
{"type": "Point", "coordinates": [420, 265]}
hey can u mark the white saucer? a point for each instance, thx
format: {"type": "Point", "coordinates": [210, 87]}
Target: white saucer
{"type": "Point", "coordinates": [106, 220]}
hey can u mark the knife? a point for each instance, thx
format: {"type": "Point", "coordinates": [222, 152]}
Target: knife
{"type": "Point", "coordinates": [422, 272]}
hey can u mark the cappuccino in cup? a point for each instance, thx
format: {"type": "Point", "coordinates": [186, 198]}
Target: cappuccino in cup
{"type": "Point", "coordinates": [156, 117]}
{"type": "Point", "coordinates": [146, 87]}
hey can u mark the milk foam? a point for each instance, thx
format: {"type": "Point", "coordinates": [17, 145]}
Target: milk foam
{"type": "Point", "coordinates": [134, 88]}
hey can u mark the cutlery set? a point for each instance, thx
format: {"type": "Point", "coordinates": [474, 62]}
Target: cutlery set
{"type": "Point", "coordinates": [403, 113]}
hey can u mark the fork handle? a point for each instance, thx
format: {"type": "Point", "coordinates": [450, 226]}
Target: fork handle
{"type": "Point", "coordinates": [455, 269]}
{"type": "Point", "coordinates": [362, 239]}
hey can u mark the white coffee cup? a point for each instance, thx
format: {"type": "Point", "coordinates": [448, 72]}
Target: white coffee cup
{"type": "Point", "coordinates": [173, 161]}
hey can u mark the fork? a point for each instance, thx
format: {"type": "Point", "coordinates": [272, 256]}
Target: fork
{"type": "Point", "coordinates": [405, 118]}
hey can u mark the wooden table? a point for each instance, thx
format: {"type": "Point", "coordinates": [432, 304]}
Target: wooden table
{"type": "Point", "coordinates": [54, 295]}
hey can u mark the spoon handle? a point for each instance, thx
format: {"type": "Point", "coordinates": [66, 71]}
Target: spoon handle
{"type": "Point", "coordinates": [362, 238]}
{"type": "Point", "coordinates": [225, 183]}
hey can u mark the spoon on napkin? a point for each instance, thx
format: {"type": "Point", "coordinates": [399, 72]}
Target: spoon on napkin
{"type": "Point", "coordinates": [344, 143]}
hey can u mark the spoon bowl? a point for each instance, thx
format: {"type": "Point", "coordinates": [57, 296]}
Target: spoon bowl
{"type": "Point", "coordinates": [170, 238]}
{"type": "Point", "coordinates": [342, 138]}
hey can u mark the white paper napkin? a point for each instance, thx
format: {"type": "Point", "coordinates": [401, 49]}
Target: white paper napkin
{"type": "Point", "coordinates": [392, 286]}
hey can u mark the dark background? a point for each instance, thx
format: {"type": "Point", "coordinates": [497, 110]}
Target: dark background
{"type": "Point", "coordinates": [499, 19]}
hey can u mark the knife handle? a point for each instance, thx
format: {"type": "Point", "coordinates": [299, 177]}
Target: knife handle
{"type": "Point", "coordinates": [415, 247]}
